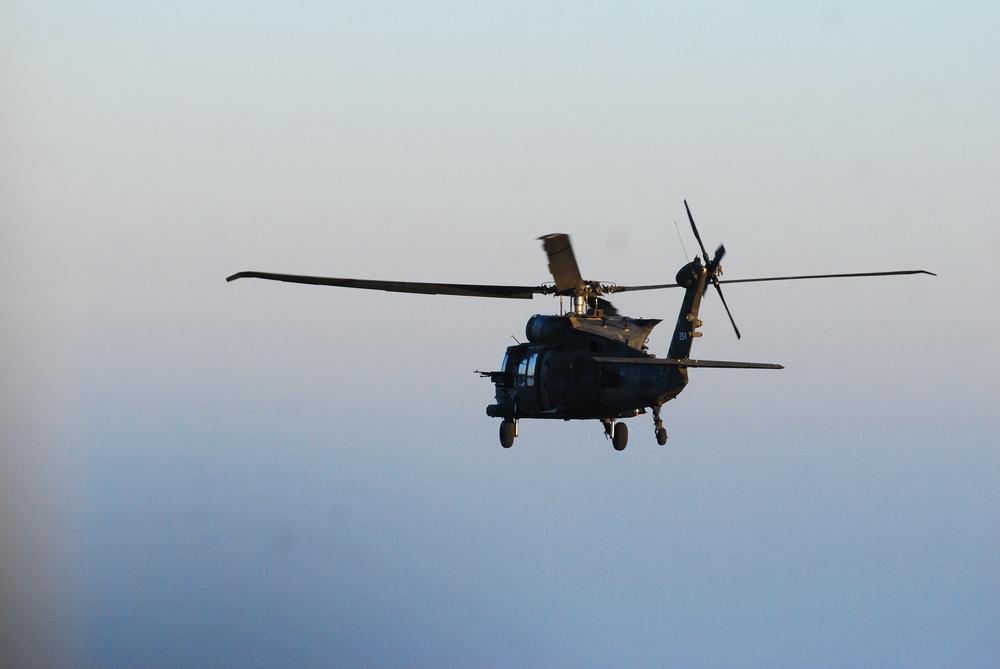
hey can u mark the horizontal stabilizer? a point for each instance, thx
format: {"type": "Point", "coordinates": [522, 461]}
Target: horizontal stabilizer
{"type": "Point", "coordinates": [687, 362]}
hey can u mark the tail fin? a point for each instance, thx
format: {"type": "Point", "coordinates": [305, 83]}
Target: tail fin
{"type": "Point", "coordinates": [693, 278]}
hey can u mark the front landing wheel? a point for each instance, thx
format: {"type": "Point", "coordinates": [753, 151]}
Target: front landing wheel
{"type": "Point", "coordinates": [508, 430]}
{"type": "Point", "coordinates": [620, 437]}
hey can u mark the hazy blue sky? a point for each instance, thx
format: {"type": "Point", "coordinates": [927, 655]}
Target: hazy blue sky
{"type": "Point", "coordinates": [202, 474]}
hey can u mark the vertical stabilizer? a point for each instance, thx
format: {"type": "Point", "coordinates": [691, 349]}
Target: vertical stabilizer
{"type": "Point", "coordinates": [693, 278]}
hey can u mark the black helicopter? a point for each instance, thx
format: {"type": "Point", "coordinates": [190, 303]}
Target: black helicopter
{"type": "Point", "coordinates": [591, 362]}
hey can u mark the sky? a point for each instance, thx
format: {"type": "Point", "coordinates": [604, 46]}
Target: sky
{"type": "Point", "coordinates": [202, 474]}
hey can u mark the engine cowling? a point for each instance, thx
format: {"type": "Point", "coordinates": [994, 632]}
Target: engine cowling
{"type": "Point", "coordinates": [542, 329]}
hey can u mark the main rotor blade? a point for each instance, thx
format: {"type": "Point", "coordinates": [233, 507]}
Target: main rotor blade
{"type": "Point", "coordinates": [827, 276]}
{"type": "Point", "coordinates": [562, 263]}
{"type": "Point", "coordinates": [470, 290]}
{"type": "Point", "coordinates": [629, 289]}
{"type": "Point", "coordinates": [704, 251]}
{"type": "Point", "coordinates": [661, 286]}
{"type": "Point", "coordinates": [605, 306]}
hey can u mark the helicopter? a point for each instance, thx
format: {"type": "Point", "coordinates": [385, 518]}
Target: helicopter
{"type": "Point", "coordinates": [590, 362]}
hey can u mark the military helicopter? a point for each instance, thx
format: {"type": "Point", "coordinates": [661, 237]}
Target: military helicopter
{"type": "Point", "coordinates": [589, 363]}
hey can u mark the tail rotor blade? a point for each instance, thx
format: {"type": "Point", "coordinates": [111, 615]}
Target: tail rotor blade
{"type": "Point", "coordinates": [722, 297]}
{"type": "Point", "coordinates": [719, 253]}
{"type": "Point", "coordinates": [712, 266]}
{"type": "Point", "coordinates": [694, 227]}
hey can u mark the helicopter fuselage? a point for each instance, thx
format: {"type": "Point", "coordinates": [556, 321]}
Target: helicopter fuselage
{"type": "Point", "coordinates": [563, 373]}
{"type": "Point", "coordinates": [594, 366]}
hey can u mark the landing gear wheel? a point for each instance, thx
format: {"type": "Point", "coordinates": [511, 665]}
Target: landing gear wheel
{"type": "Point", "coordinates": [661, 432]}
{"type": "Point", "coordinates": [620, 437]}
{"type": "Point", "coordinates": [508, 430]}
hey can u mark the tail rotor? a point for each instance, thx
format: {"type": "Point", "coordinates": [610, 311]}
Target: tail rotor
{"type": "Point", "coordinates": [713, 266]}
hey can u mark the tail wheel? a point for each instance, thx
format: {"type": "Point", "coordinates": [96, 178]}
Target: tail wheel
{"type": "Point", "coordinates": [661, 435]}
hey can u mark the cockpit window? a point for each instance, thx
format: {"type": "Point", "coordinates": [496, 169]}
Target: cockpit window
{"type": "Point", "coordinates": [526, 370]}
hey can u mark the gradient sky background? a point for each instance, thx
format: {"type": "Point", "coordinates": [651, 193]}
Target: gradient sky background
{"type": "Point", "coordinates": [202, 474]}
